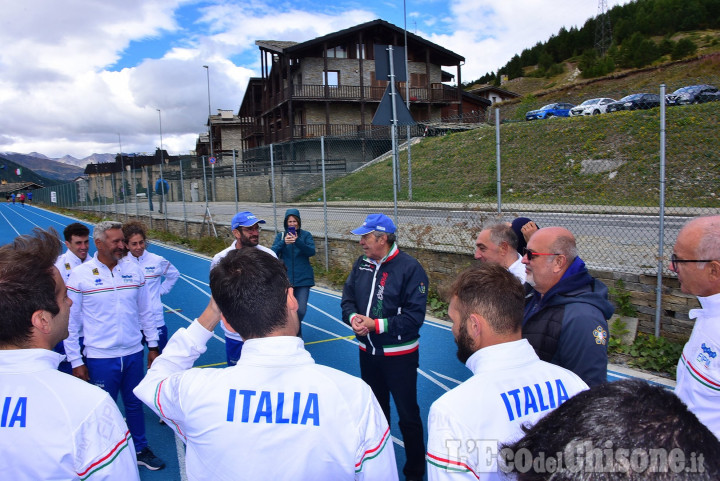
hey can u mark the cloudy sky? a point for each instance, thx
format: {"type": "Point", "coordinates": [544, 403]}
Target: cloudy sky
{"type": "Point", "coordinates": [80, 76]}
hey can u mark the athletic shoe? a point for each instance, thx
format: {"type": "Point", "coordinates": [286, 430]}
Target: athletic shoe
{"type": "Point", "coordinates": [149, 460]}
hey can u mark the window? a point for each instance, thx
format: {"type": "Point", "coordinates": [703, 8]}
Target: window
{"type": "Point", "coordinates": [337, 52]}
{"type": "Point", "coordinates": [331, 78]}
{"type": "Point", "coordinates": [360, 51]}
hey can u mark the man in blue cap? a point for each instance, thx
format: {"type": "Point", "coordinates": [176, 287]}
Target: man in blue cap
{"type": "Point", "coordinates": [384, 301]}
{"type": "Point", "coordinates": [246, 230]}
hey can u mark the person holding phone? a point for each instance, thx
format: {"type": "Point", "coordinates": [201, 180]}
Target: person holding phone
{"type": "Point", "coordinates": [295, 247]}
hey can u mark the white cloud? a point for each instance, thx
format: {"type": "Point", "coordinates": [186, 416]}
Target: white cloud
{"type": "Point", "coordinates": [61, 94]}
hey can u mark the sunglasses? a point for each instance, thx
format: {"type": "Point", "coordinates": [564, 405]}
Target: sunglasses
{"type": "Point", "coordinates": [674, 261]}
{"type": "Point", "coordinates": [531, 255]}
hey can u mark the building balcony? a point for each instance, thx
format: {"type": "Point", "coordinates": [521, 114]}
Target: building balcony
{"type": "Point", "coordinates": [356, 93]}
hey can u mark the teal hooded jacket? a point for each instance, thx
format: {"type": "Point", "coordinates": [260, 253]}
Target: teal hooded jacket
{"type": "Point", "coordinates": [296, 256]}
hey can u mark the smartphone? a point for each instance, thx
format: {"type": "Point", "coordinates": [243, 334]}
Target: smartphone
{"type": "Point", "coordinates": [291, 230]}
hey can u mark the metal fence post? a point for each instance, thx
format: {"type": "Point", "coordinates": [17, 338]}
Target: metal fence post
{"type": "Point", "coordinates": [235, 180]}
{"type": "Point", "coordinates": [272, 186]}
{"type": "Point", "coordinates": [497, 156]}
{"type": "Point", "coordinates": [661, 232]}
{"type": "Point", "coordinates": [325, 211]}
{"type": "Point", "coordinates": [182, 193]}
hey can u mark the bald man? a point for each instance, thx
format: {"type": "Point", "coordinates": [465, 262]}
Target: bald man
{"type": "Point", "coordinates": [696, 261]}
{"type": "Point", "coordinates": [566, 314]}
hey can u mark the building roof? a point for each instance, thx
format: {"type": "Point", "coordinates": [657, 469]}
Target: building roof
{"type": "Point", "coordinates": [492, 88]}
{"type": "Point", "coordinates": [274, 45]}
{"type": "Point", "coordinates": [11, 187]}
{"type": "Point", "coordinates": [439, 55]}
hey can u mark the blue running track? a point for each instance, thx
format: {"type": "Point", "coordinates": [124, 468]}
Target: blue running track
{"type": "Point", "coordinates": [326, 337]}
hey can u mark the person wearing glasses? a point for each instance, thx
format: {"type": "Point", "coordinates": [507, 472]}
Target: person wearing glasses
{"type": "Point", "coordinates": [246, 231]}
{"type": "Point", "coordinates": [498, 244]}
{"type": "Point", "coordinates": [696, 261]}
{"type": "Point", "coordinates": [566, 314]}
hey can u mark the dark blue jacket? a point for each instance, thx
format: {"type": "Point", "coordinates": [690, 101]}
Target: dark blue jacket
{"type": "Point", "coordinates": [396, 292]}
{"type": "Point", "coordinates": [568, 325]}
{"type": "Point", "coordinates": [296, 256]}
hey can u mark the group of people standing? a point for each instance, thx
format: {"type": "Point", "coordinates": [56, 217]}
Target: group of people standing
{"type": "Point", "coordinates": [21, 197]}
{"type": "Point", "coordinates": [535, 340]}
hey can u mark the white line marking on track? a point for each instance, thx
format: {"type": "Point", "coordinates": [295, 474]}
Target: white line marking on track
{"type": "Point", "coordinates": [439, 326]}
{"type": "Point", "coordinates": [398, 442]}
{"type": "Point", "coordinates": [432, 379]}
{"type": "Point", "coordinates": [189, 321]}
{"type": "Point", "coordinates": [180, 447]}
{"type": "Point", "coordinates": [330, 316]}
{"type": "Point", "coordinates": [448, 378]}
{"type": "Point", "coordinates": [9, 223]}
{"type": "Point", "coordinates": [183, 277]}
{"type": "Point", "coordinates": [196, 280]}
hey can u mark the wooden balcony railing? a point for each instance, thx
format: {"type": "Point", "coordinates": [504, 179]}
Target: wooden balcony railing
{"type": "Point", "coordinates": [357, 93]}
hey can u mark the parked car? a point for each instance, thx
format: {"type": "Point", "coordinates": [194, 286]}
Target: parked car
{"type": "Point", "coordinates": [689, 95]}
{"type": "Point", "coordinates": [550, 110]}
{"type": "Point", "coordinates": [635, 102]}
{"type": "Point", "coordinates": [709, 97]}
{"type": "Point", "coordinates": [591, 107]}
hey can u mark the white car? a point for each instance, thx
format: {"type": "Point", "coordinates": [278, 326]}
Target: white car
{"type": "Point", "coordinates": [591, 107]}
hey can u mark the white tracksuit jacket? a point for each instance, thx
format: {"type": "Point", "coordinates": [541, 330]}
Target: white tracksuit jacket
{"type": "Point", "coordinates": [698, 371]}
{"type": "Point", "coordinates": [216, 258]}
{"type": "Point", "coordinates": [67, 262]}
{"type": "Point", "coordinates": [156, 267]}
{"type": "Point", "coordinates": [55, 426]}
{"type": "Point", "coordinates": [510, 387]}
{"type": "Point", "coordinates": [275, 415]}
{"type": "Point", "coordinates": [110, 308]}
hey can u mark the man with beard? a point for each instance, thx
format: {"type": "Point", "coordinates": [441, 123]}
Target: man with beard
{"type": "Point", "coordinates": [109, 304]}
{"type": "Point", "coordinates": [246, 230]}
{"type": "Point", "coordinates": [510, 386]}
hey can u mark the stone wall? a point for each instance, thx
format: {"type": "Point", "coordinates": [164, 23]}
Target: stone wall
{"type": "Point", "coordinates": [443, 267]}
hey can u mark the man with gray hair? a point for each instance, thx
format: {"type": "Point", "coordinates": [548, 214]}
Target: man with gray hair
{"type": "Point", "coordinates": [696, 261]}
{"type": "Point", "coordinates": [109, 304]}
{"type": "Point", "coordinates": [566, 315]}
{"type": "Point", "coordinates": [498, 244]}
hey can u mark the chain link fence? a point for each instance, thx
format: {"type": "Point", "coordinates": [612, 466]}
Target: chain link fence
{"type": "Point", "coordinates": [621, 181]}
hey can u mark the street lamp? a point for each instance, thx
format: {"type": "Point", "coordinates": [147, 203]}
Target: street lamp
{"type": "Point", "coordinates": [207, 69]}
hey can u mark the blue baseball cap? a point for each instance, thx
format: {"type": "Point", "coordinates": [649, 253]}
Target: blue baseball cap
{"type": "Point", "coordinates": [245, 219]}
{"type": "Point", "coordinates": [376, 222]}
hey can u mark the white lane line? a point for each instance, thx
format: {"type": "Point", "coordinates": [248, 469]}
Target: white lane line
{"type": "Point", "coordinates": [33, 223]}
{"type": "Point", "coordinates": [398, 442]}
{"type": "Point", "coordinates": [432, 379]}
{"type": "Point", "coordinates": [330, 316]}
{"type": "Point", "coordinates": [196, 280]}
{"type": "Point", "coordinates": [182, 276]}
{"type": "Point", "coordinates": [189, 321]}
{"type": "Point", "coordinates": [439, 326]}
{"type": "Point", "coordinates": [9, 223]}
{"type": "Point", "coordinates": [324, 293]}
{"type": "Point", "coordinates": [180, 447]}
{"type": "Point", "coordinates": [447, 378]}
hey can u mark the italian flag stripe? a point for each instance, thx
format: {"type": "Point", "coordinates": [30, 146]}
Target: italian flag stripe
{"type": "Point", "coordinates": [448, 465]}
{"type": "Point", "coordinates": [705, 381]}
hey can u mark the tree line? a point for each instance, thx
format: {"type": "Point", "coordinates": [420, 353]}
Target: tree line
{"type": "Point", "coordinates": [633, 25]}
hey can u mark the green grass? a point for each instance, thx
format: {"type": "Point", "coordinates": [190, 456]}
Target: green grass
{"type": "Point", "coordinates": [542, 162]}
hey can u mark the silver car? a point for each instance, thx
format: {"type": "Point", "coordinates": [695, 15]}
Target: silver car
{"type": "Point", "coordinates": [591, 107]}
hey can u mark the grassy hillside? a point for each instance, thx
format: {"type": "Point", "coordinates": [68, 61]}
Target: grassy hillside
{"type": "Point", "coordinates": [7, 173]}
{"type": "Point", "coordinates": [543, 162]}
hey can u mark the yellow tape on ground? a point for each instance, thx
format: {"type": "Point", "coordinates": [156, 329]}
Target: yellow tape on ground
{"type": "Point", "coordinates": [307, 343]}
{"type": "Point", "coordinates": [331, 339]}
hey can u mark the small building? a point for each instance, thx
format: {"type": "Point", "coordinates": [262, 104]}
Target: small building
{"type": "Point", "coordinates": [493, 94]}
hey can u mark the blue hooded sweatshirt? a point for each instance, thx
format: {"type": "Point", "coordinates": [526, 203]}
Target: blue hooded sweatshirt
{"type": "Point", "coordinates": [296, 256]}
